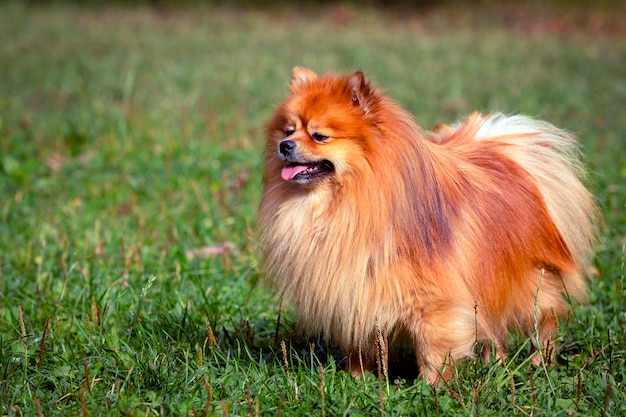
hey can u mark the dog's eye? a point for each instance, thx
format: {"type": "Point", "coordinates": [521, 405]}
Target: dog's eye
{"type": "Point", "coordinates": [318, 137]}
{"type": "Point", "coordinates": [289, 132]}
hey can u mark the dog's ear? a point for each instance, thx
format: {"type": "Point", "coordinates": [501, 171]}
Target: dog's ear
{"type": "Point", "coordinates": [301, 76]}
{"type": "Point", "coordinates": [362, 92]}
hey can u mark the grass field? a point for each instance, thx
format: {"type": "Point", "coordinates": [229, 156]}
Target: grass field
{"type": "Point", "coordinates": [130, 161]}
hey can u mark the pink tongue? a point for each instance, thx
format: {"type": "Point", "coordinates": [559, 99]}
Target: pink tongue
{"type": "Point", "coordinates": [289, 172]}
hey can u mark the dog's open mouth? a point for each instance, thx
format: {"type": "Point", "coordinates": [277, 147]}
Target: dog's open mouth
{"type": "Point", "coordinates": [304, 173]}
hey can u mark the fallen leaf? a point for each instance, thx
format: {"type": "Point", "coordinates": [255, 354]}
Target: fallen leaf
{"type": "Point", "coordinates": [210, 251]}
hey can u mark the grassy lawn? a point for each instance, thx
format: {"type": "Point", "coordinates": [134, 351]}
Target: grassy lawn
{"type": "Point", "coordinates": [130, 162]}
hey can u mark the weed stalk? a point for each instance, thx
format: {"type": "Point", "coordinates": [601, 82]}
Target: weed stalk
{"type": "Point", "coordinates": [607, 399]}
{"type": "Point", "coordinates": [322, 390]}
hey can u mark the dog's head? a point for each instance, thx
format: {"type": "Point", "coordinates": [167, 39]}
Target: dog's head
{"type": "Point", "coordinates": [321, 131]}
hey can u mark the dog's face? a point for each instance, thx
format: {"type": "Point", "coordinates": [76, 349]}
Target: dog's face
{"type": "Point", "coordinates": [320, 132]}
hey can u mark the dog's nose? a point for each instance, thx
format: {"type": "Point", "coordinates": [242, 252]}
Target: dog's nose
{"type": "Point", "coordinates": [286, 146]}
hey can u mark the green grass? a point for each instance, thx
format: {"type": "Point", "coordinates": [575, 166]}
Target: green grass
{"type": "Point", "coordinates": [130, 136]}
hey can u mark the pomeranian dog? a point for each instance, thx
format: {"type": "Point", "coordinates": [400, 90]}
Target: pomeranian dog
{"type": "Point", "coordinates": [448, 238]}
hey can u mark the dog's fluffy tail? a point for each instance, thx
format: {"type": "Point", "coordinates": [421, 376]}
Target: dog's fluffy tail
{"type": "Point", "coordinates": [552, 157]}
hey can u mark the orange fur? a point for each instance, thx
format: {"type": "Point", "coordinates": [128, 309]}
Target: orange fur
{"type": "Point", "coordinates": [452, 237]}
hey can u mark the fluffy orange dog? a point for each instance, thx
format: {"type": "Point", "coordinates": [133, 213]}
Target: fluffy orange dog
{"type": "Point", "coordinates": [450, 238]}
